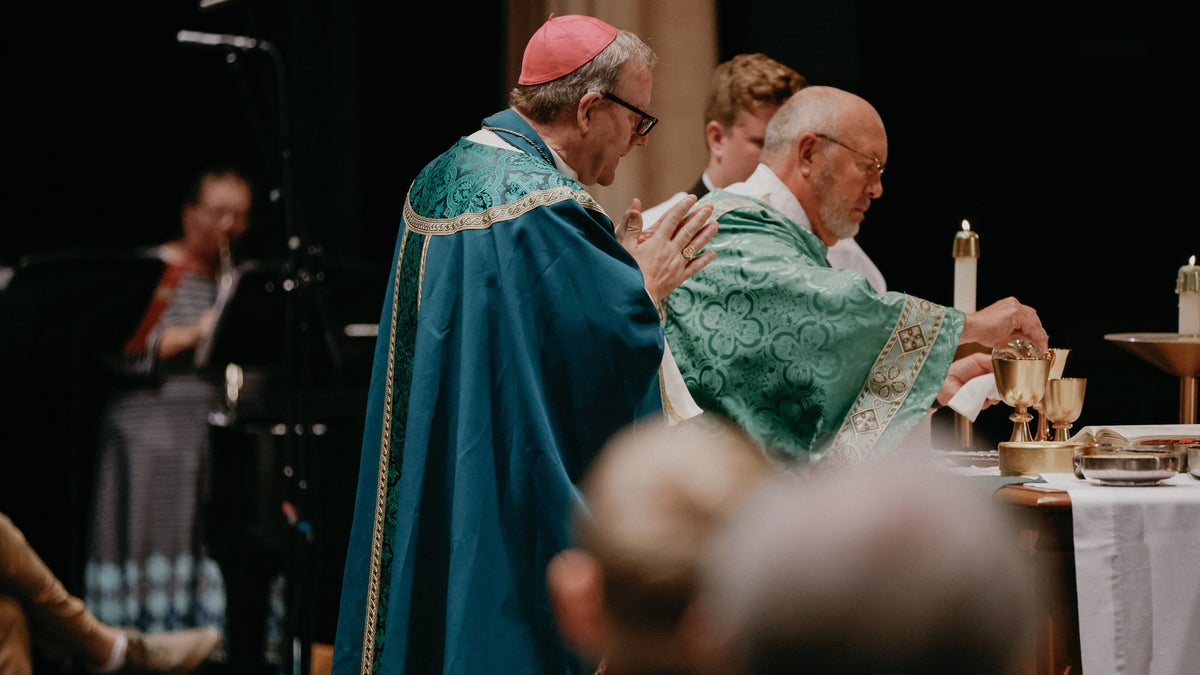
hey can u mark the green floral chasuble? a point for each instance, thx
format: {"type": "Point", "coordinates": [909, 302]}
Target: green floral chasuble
{"type": "Point", "coordinates": [813, 362]}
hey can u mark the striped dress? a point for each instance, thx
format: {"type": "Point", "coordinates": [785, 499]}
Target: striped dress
{"type": "Point", "coordinates": [146, 564]}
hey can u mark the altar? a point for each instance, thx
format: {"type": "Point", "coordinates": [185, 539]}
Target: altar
{"type": "Point", "coordinates": [1120, 568]}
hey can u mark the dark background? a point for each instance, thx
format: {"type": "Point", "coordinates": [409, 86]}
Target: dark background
{"type": "Point", "coordinates": [1062, 131]}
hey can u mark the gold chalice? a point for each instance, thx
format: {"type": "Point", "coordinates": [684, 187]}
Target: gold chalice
{"type": "Point", "coordinates": [1058, 361]}
{"type": "Point", "coordinates": [1021, 383]}
{"type": "Point", "coordinates": [1062, 403]}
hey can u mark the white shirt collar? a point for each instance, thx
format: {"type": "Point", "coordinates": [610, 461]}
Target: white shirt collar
{"type": "Point", "coordinates": [488, 137]}
{"type": "Point", "coordinates": [764, 185]}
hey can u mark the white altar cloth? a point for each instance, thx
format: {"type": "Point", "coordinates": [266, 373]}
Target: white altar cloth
{"type": "Point", "coordinates": [1137, 571]}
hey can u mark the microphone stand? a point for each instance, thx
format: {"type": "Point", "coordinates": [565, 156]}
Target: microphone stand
{"type": "Point", "coordinates": [297, 280]}
{"type": "Point", "coordinates": [297, 443]}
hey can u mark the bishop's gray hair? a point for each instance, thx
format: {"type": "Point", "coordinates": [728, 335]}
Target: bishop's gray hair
{"type": "Point", "coordinates": [543, 102]}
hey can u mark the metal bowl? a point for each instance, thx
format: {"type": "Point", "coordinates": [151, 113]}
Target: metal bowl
{"type": "Point", "coordinates": [1088, 449]}
{"type": "Point", "coordinates": [1176, 445]}
{"type": "Point", "coordinates": [1127, 468]}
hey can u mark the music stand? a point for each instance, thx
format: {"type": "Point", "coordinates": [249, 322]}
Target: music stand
{"type": "Point", "coordinates": [281, 497]}
{"type": "Point", "coordinates": [59, 313]}
{"type": "Point", "coordinates": [105, 290]}
{"type": "Point", "coordinates": [342, 298]}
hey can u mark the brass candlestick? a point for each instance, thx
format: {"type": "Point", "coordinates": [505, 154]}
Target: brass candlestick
{"type": "Point", "coordinates": [966, 256]}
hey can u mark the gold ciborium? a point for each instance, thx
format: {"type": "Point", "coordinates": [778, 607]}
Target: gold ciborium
{"type": "Point", "coordinates": [1021, 375]}
{"type": "Point", "coordinates": [1062, 404]}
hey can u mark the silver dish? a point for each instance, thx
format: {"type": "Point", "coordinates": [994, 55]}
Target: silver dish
{"type": "Point", "coordinates": [1128, 468]}
{"type": "Point", "coordinates": [1177, 445]}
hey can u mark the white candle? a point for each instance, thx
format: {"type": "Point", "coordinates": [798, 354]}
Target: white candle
{"type": "Point", "coordinates": [1187, 285]}
{"type": "Point", "coordinates": [966, 254]}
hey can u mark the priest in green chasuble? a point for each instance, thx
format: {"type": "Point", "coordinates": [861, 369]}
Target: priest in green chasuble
{"type": "Point", "coordinates": [811, 360]}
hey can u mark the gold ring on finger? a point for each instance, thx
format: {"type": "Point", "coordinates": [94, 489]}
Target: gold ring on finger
{"type": "Point", "coordinates": [690, 252]}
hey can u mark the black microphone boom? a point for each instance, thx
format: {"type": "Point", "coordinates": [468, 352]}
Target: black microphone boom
{"type": "Point", "coordinates": [238, 42]}
{"type": "Point", "coordinates": [206, 5]}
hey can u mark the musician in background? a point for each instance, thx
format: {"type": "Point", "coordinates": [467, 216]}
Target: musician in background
{"type": "Point", "coordinates": [146, 562]}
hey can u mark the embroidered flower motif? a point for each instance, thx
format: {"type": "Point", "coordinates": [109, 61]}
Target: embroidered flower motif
{"type": "Point", "coordinates": [802, 354]}
{"type": "Point", "coordinates": [887, 382]}
{"type": "Point", "coordinates": [730, 325]}
{"type": "Point", "coordinates": [712, 380]}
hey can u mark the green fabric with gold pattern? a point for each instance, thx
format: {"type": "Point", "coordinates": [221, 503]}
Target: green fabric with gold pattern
{"type": "Point", "coordinates": [812, 361]}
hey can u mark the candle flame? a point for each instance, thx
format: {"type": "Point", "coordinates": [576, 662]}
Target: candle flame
{"type": "Point", "coordinates": [966, 226]}
{"type": "Point", "coordinates": [1192, 260]}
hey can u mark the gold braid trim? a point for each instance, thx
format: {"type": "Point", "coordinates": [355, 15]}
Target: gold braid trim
{"type": "Point", "coordinates": [381, 480]}
{"type": "Point", "coordinates": [671, 415]}
{"type": "Point", "coordinates": [889, 381]}
{"type": "Point", "coordinates": [486, 218]}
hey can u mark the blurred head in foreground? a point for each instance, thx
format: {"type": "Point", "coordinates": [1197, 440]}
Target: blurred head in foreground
{"type": "Point", "coordinates": [882, 569]}
{"type": "Point", "coordinates": [653, 497]}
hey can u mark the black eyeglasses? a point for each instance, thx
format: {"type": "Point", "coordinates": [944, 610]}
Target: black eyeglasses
{"type": "Point", "coordinates": [645, 124]}
{"type": "Point", "coordinates": [876, 164]}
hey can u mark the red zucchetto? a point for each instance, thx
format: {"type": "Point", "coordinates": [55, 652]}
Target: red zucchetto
{"type": "Point", "coordinates": [562, 45]}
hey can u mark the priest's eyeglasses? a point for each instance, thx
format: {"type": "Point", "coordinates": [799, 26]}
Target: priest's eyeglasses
{"type": "Point", "coordinates": [877, 164]}
{"type": "Point", "coordinates": [645, 124]}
